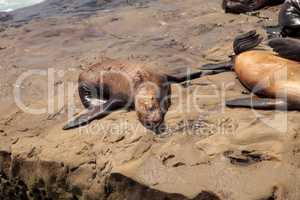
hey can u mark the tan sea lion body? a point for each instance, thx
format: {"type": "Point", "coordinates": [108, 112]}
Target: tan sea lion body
{"type": "Point", "coordinates": [269, 75]}
{"type": "Point", "coordinates": [273, 76]}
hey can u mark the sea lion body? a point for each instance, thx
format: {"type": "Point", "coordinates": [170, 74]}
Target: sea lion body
{"type": "Point", "coordinates": [269, 75]}
{"type": "Point", "coordinates": [127, 84]}
{"type": "Point", "coordinates": [120, 79]}
{"type": "Point", "coordinates": [242, 6]}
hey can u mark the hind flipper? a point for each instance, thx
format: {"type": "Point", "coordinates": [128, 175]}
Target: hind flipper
{"type": "Point", "coordinates": [286, 47]}
{"type": "Point", "coordinates": [241, 43]}
{"type": "Point", "coordinates": [228, 66]}
{"type": "Point", "coordinates": [182, 77]}
{"type": "Point", "coordinates": [258, 103]}
{"type": "Point", "coordinates": [246, 41]}
{"type": "Point", "coordinates": [94, 113]}
{"type": "Point", "coordinates": [246, 35]}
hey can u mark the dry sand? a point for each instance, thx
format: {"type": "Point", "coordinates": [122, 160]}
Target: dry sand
{"type": "Point", "coordinates": [207, 153]}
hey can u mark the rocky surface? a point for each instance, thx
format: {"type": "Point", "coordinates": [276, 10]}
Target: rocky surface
{"type": "Point", "coordinates": [207, 151]}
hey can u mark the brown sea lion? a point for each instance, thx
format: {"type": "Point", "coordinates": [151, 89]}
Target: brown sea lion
{"type": "Point", "coordinates": [125, 84]}
{"type": "Point", "coordinates": [274, 78]}
{"type": "Point", "coordinates": [243, 6]}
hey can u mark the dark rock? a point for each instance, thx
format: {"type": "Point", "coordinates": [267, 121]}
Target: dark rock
{"type": "Point", "coordinates": [5, 16]}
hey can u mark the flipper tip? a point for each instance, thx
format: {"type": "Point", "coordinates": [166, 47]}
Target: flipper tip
{"type": "Point", "coordinates": [70, 125]}
{"type": "Point", "coordinates": [225, 66]}
{"type": "Point", "coordinates": [66, 127]}
{"type": "Point", "coordinates": [234, 103]}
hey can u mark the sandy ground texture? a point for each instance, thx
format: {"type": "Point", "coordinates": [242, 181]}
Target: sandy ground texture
{"type": "Point", "coordinates": [207, 151]}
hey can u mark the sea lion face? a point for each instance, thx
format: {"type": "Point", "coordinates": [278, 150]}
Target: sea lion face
{"type": "Point", "coordinates": [151, 104]}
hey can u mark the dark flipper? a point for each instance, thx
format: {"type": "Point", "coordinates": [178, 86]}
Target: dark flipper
{"type": "Point", "coordinates": [275, 2]}
{"type": "Point", "coordinates": [228, 66]}
{"type": "Point", "coordinates": [94, 113]}
{"type": "Point", "coordinates": [246, 41]}
{"type": "Point", "coordinates": [182, 77]}
{"type": "Point", "coordinates": [236, 7]}
{"type": "Point", "coordinates": [242, 6]}
{"type": "Point", "coordinates": [286, 48]}
{"type": "Point", "coordinates": [258, 103]}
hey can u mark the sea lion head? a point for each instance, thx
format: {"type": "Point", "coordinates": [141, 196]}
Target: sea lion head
{"type": "Point", "coordinates": [151, 104]}
{"type": "Point", "coordinates": [238, 6]}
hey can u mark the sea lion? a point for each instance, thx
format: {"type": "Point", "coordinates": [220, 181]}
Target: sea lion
{"type": "Point", "coordinates": [125, 84]}
{"type": "Point", "coordinates": [274, 78]}
{"type": "Point", "coordinates": [288, 20]}
{"type": "Point", "coordinates": [243, 6]}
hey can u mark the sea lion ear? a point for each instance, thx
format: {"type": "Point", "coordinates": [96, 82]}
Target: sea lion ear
{"type": "Point", "coordinates": [286, 48]}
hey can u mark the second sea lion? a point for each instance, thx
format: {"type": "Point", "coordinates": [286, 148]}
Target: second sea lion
{"type": "Point", "coordinates": [274, 78]}
{"type": "Point", "coordinates": [288, 21]}
{"type": "Point", "coordinates": [243, 6]}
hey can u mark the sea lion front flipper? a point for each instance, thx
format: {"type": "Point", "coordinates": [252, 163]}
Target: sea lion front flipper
{"type": "Point", "coordinates": [237, 7]}
{"type": "Point", "coordinates": [94, 113]}
{"type": "Point", "coordinates": [286, 47]}
{"type": "Point", "coordinates": [258, 103]}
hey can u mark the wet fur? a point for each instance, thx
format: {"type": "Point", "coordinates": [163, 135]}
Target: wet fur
{"type": "Point", "coordinates": [243, 6]}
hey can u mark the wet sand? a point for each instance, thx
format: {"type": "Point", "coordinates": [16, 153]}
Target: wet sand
{"type": "Point", "coordinates": [208, 152]}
